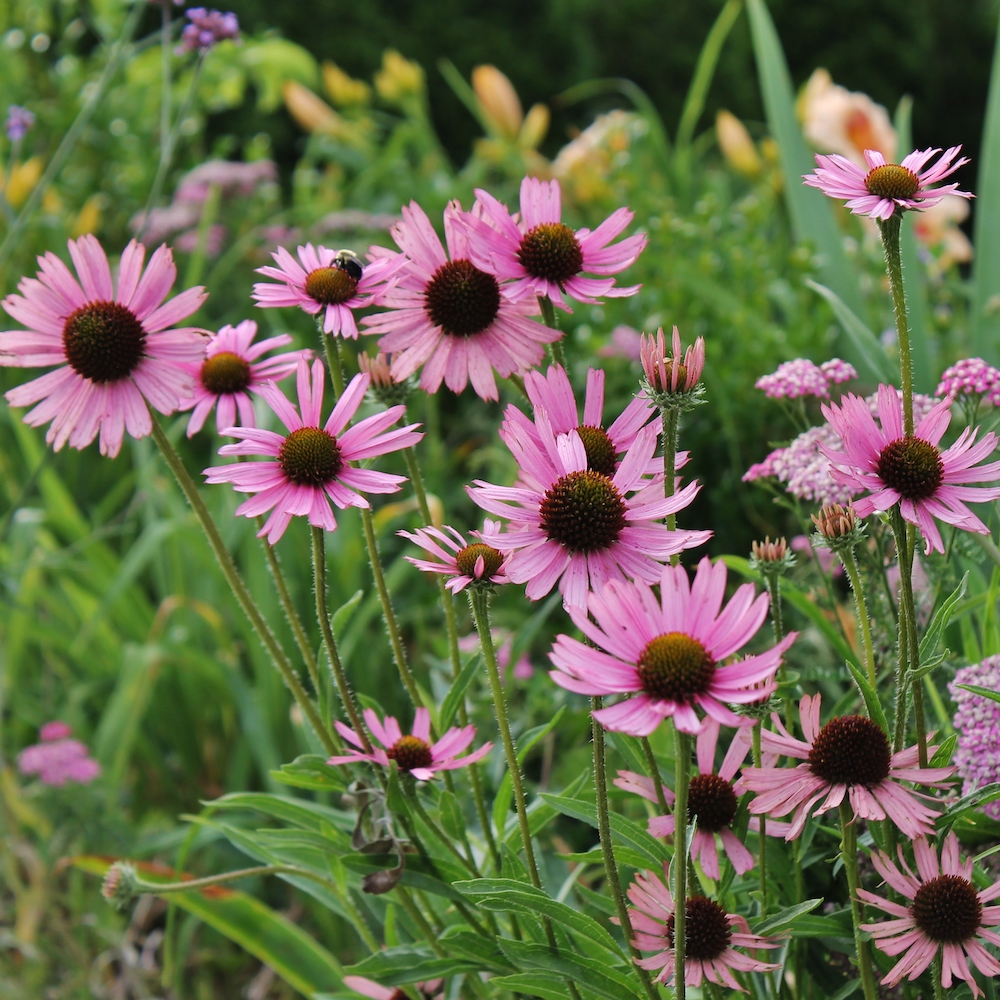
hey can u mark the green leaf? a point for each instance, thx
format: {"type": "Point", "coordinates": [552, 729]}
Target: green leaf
{"type": "Point", "coordinates": [410, 964]}
{"type": "Point", "coordinates": [342, 615]}
{"type": "Point", "coordinates": [984, 692]}
{"type": "Point", "coordinates": [985, 317]}
{"type": "Point", "coordinates": [457, 691]}
{"type": "Point", "coordinates": [459, 941]}
{"type": "Point", "coordinates": [870, 696]}
{"type": "Point", "coordinates": [786, 916]}
{"type": "Point", "coordinates": [810, 211]}
{"type": "Point", "coordinates": [452, 819]}
{"type": "Point", "coordinates": [269, 936]}
{"type": "Point", "coordinates": [507, 895]}
{"type": "Point", "coordinates": [864, 342]}
{"type": "Point", "coordinates": [942, 616]}
{"type": "Point", "coordinates": [298, 812]}
{"type": "Point", "coordinates": [418, 874]}
{"type": "Point", "coordinates": [310, 770]}
{"type": "Point", "coordinates": [534, 984]}
{"type": "Point", "coordinates": [942, 757]}
{"type": "Point", "coordinates": [988, 793]}
{"type": "Point", "coordinates": [595, 975]}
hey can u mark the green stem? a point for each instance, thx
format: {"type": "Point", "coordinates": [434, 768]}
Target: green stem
{"type": "Point", "coordinates": [849, 854]}
{"type": "Point", "coordinates": [682, 744]}
{"type": "Point", "coordinates": [755, 735]}
{"type": "Point", "coordinates": [481, 613]}
{"type": "Point", "coordinates": [549, 319]}
{"type": "Point", "coordinates": [420, 920]}
{"type": "Point", "coordinates": [654, 773]}
{"type": "Point", "coordinates": [671, 428]}
{"type": "Point", "coordinates": [440, 834]}
{"type": "Point", "coordinates": [607, 848]}
{"type": "Point", "coordinates": [331, 345]}
{"type": "Point", "coordinates": [939, 993]}
{"type": "Point", "coordinates": [889, 229]}
{"type": "Point", "coordinates": [228, 567]}
{"type": "Point", "coordinates": [329, 641]}
{"type": "Point", "coordinates": [773, 583]}
{"type": "Point", "coordinates": [850, 561]}
{"type": "Point", "coordinates": [160, 888]}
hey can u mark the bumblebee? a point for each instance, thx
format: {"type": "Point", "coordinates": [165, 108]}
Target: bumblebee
{"type": "Point", "coordinates": [348, 260]}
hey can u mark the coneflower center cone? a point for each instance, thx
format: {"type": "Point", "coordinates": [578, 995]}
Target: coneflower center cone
{"type": "Point", "coordinates": [947, 908]}
{"type": "Point", "coordinates": [410, 752]}
{"type": "Point", "coordinates": [330, 285]}
{"type": "Point", "coordinates": [599, 448]}
{"type": "Point", "coordinates": [224, 373]}
{"type": "Point", "coordinates": [851, 750]}
{"type": "Point", "coordinates": [712, 801]}
{"type": "Point", "coordinates": [103, 341]}
{"type": "Point", "coordinates": [706, 930]}
{"type": "Point", "coordinates": [310, 456]}
{"type": "Point", "coordinates": [467, 558]}
{"type": "Point", "coordinates": [912, 467]}
{"type": "Point", "coordinates": [892, 181]}
{"type": "Point", "coordinates": [583, 511]}
{"type": "Point", "coordinates": [675, 667]}
{"type": "Point", "coordinates": [461, 299]}
{"type": "Point", "coordinates": [551, 251]}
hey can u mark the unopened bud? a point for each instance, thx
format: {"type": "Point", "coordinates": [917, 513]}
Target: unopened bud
{"type": "Point", "coordinates": [838, 527]}
{"type": "Point", "coordinates": [119, 887]}
{"type": "Point", "coordinates": [398, 78]}
{"type": "Point", "coordinates": [736, 144]}
{"type": "Point", "coordinates": [498, 100]}
{"type": "Point", "coordinates": [344, 90]}
{"type": "Point", "coordinates": [771, 557]}
{"type": "Point", "coordinates": [383, 386]}
{"type": "Point", "coordinates": [672, 381]}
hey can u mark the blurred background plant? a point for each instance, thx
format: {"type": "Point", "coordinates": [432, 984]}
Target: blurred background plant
{"type": "Point", "coordinates": [116, 621]}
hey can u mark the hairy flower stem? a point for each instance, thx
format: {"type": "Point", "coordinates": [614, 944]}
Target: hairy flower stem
{"type": "Point", "coordinates": [773, 583]}
{"type": "Point", "coordinates": [246, 602]}
{"type": "Point", "coordinates": [549, 319]}
{"type": "Point", "coordinates": [936, 972]}
{"type": "Point", "coordinates": [889, 229]}
{"type": "Point", "coordinates": [329, 641]}
{"type": "Point", "coordinates": [849, 854]}
{"type": "Point", "coordinates": [607, 849]}
{"type": "Point", "coordinates": [755, 737]}
{"type": "Point", "coordinates": [682, 753]}
{"type": "Point", "coordinates": [654, 773]}
{"type": "Point", "coordinates": [161, 888]}
{"type": "Point", "coordinates": [850, 561]}
{"type": "Point", "coordinates": [671, 432]}
{"type": "Point", "coordinates": [331, 345]}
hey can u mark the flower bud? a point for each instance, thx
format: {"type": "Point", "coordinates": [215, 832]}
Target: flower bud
{"type": "Point", "coordinates": [670, 382]}
{"type": "Point", "coordinates": [343, 89]}
{"type": "Point", "coordinates": [536, 124]}
{"type": "Point", "coordinates": [398, 78]}
{"type": "Point", "coordinates": [498, 101]}
{"type": "Point", "coordinates": [736, 145]}
{"type": "Point", "coordinates": [834, 521]}
{"type": "Point", "coordinates": [119, 887]}
{"type": "Point", "coordinates": [771, 558]}
{"type": "Point", "coordinates": [383, 386]}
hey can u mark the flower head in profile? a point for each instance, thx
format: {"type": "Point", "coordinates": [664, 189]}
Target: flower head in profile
{"type": "Point", "coordinates": [311, 465]}
{"type": "Point", "coordinates": [542, 256]}
{"type": "Point", "coordinates": [885, 189]}
{"type": "Point", "coordinates": [672, 380]}
{"type": "Point", "coordinates": [476, 562]}
{"type": "Point", "coordinates": [850, 758]}
{"type": "Point", "coordinates": [669, 652]}
{"type": "Point", "coordinates": [323, 282]}
{"type": "Point", "coordinates": [206, 28]}
{"type": "Point", "coordinates": [117, 348]}
{"type": "Point", "coordinates": [448, 317]}
{"type": "Point", "coordinates": [912, 471]}
{"type": "Point", "coordinates": [57, 759]}
{"type": "Point", "coordinates": [414, 754]}
{"type": "Point", "coordinates": [711, 936]}
{"type": "Point", "coordinates": [232, 369]}
{"type": "Point", "coordinates": [572, 524]}
{"type": "Point", "coordinates": [945, 917]}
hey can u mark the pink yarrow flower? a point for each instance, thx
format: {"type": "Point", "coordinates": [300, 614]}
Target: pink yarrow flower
{"type": "Point", "coordinates": [542, 255]}
{"type": "Point", "coordinates": [795, 379]}
{"type": "Point", "coordinates": [926, 482]}
{"type": "Point", "coordinates": [117, 350]}
{"type": "Point", "coordinates": [887, 188]}
{"type": "Point", "coordinates": [571, 524]}
{"type": "Point", "coordinates": [322, 281]}
{"type": "Point", "coordinates": [450, 316]}
{"type": "Point", "coordinates": [57, 759]}
{"type": "Point", "coordinates": [711, 936]}
{"type": "Point", "coordinates": [970, 377]}
{"type": "Point", "coordinates": [466, 562]}
{"type": "Point", "coordinates": [977, 721]}
{"type": "Point", "coordinates": [231, 370]}
{"type": "Point", "coordinates": [667, 651]}
{"type": "Point", "coordinates": [310, 466]}
{"type": "Point", "coordinates": [945, 918]}
{"type": "Point", "coordinates": [849, 757]}
{"type": "Point", "coordinates": [414, 754]}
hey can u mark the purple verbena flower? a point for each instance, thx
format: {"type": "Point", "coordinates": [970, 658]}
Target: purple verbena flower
{"type": "Point", "coordinates": [207, 28]}
{"type": "Point", "coordinates": [19, 121]}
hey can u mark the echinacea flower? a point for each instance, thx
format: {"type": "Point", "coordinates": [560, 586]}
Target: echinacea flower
{"type": "Point", "coordinates": [570, 524]}
{"type": "Point", "coordinates": [912, 471]}
{"type": "Point", "coordinates": [311, 466]}
{"type": "Point", "coordinates": [449, 316]}
{"type": "Point", "coordinates": [331, 282]}
{"type": "Point", "coordinates": [414, 754]}
{"type": "Point", "coordinates": [56, 759]}
{"type": "Point", "coordinates": [476, 562]}
{"type": "Point", "coordinates": [672, 379]}
{"type": "Point", "coordinates": [887, 188]}
{"type": "Point", "coordinates": [542, 255]}
{"type": "Point", "coordinates": [850, 757]}
{"type": "Point", "coordinates": [711, 936]}
{"type": "Point", "coordinates": [116, 351]}
{"type": "Point", "coordinates": [946, 916]}
{"type": "Point", "coordinates": [669, 651]}
{"type": "Point", "coordinates": [231, 370]}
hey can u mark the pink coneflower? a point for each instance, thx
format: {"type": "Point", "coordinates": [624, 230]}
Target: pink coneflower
{"type": "Point", "coordinates": [911, 470]}
{"type": "Point", "coordinates": [231, 370]}
{"type": "Point", "coordinates": [711, 936]}
{"type": "Point", "coordinates": [670, 373]}
{"type": "Point", "coordinates": [712, 802]}
{"type": "Point", "coordinates": [414, 754]}
{"type": "Point", "coordinates": [849, 756]}
{"type": "Point", "coordinates": [57, 759]}
{"type": "Point", "coordinates": [449, 315]}
{"type": "Point", "coordinates": [542, 255]}
{"type": "Point", "coordinates": [887, 188]}
{"type": "Point", "coordinates": [311, 465]}
{"type": "Point", "coordinates": [117, 352]}
{"type": "Point", "coordinates": [668, 651]}
{"type": "Point", "coordinates": [369, 988]}
{"type": "Point", "coordinates": [945, 917]}
{"type": "Point", "coordinates": [332, 282]}
{"type": "Point", "coordinates": [466, 562]}
{"type": "Point", "coordinates": [570, 524]}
